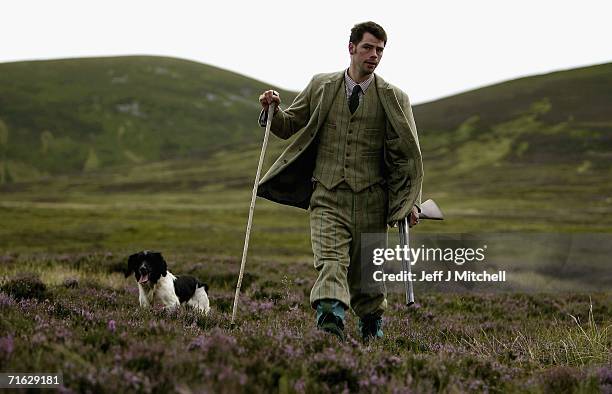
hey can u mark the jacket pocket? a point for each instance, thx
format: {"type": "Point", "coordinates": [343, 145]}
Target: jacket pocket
{"type": "Point", "coordinates": [392, 142]}
{"type": "Point", "coordinates": [375, 131]}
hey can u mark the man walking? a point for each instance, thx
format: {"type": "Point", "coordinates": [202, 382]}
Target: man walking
{"type": "Point", "coordinates": [356, 165]}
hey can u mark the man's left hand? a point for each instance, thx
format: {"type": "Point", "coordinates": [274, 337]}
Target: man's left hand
{"type": "Point", "coordinates": [414, 217]}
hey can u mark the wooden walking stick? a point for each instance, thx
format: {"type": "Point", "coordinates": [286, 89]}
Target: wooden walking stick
{"type": "Point", "coordinates": [251, 209]}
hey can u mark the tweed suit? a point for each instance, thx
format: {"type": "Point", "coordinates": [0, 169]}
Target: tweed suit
{"type": "Point", "coordinates": [349, 199]}
{"type": "Point", "coordinates": [367, 169]}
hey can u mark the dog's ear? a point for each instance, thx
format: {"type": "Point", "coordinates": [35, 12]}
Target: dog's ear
{"type": "Point", "coordinates": [132, 264]}
{"type": "Point", "coordinates": [206, 287]}
{"type": "Point", "coordinates": [158, 260]}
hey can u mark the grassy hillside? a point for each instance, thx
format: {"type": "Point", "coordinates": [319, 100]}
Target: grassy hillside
{"type": "Point", "coordinates": [581, 96]}
{"type": "Point", "coordinates": [533, 147]}
{"type": "Point", "coordinates": [555, 126]}
{"type": "Point", "coordinates": [74, 115]}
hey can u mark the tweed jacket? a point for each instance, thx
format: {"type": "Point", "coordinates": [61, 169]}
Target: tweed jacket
{"type": "Point", "coordinates": [289, 179]}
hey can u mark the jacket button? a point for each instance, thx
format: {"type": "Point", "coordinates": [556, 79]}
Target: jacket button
{"type": "Point", "coordinates": [346, 166]}
{"type": "Point", "coordinates": [285, 161]}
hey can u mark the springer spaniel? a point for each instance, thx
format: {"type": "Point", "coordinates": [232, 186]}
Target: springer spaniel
{"type": "Point", "coordinates": [155, 282]}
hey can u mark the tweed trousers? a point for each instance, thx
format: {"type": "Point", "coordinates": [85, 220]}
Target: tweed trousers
{"type": "Point", "coordinates": [338, 218]}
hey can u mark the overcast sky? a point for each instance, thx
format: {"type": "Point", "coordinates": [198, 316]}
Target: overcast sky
{"type": "Point", "coordinates": [435, 48]}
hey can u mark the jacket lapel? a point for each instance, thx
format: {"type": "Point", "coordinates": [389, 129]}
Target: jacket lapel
{"type": "Point", "coordinates": [330, 89]}
{"type": "Point", "coordinates": [394, 111]}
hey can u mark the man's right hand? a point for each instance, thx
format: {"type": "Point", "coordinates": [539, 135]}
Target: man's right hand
{"type": "Point", "coordinates": [268, 97]}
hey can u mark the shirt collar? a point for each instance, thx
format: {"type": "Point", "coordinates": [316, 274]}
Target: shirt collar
{"type": "Point", "coordinates": [350, 84]}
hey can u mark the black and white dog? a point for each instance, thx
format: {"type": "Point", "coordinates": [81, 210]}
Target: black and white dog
{"type": "Point", "coordinates": [155, 282]}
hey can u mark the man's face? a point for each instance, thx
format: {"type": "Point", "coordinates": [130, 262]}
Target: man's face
{"type": "Point", "coordinates": [367, 53]}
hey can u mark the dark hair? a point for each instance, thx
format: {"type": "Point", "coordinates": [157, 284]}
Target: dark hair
{"type": "Point", "coordinates": [370, 27]}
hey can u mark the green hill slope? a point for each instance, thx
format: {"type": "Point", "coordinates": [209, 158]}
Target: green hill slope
{"type": "Point", "coordinates": [558, 117]}
{"type": "Point", "coordinates": [70, 115]}
{"type": "Point", "coordinates": [533, 148]}
{"type": "Point", "coordinates": [580, 95]}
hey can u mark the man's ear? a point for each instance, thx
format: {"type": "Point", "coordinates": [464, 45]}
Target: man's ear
{"type": "Point", "coordinates": [351, 48]}
{"type": "Point", "coordinates": [160, 262]}
{"type": "Point", "coordinates": [132, 264]}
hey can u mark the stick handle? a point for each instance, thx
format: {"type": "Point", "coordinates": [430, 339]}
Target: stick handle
{"type": "Point", "coordinates": [251, 209]}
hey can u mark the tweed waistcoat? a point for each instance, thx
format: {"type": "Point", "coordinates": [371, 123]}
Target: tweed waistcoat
{"type": "Point", "coordinates": [350, 147]}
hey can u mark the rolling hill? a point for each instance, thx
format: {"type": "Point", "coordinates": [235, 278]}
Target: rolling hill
{"type": "Point", "coordinates": [542, 144]}
{"type": "Point", "coordinates": [561, 117]}
{"type": "Point", "coordinates": [73, 115]}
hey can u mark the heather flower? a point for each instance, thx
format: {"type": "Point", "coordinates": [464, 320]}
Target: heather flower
{"type": "Point", "coordinates": [6, 300]}
{"type": "Point", "coordinates": [25, 286]}
{"type": "Point", "coordinates": [39, 338]}
{"type": "Point", "coordinates": [62, 333]}
{"type": "Point", "coordinates": [605, 379]}
{"type": "Point", "coordinates": [276, 343]}
{"type": "Point", "coordinates": [87, 314]}
{"type": "Point", "coordinates": [7, 258]}
{"type": "Point", "coordinates": [131, 290]}
{"type": "Point", "coordinates": [7, 345]}
{"type": "Point", "coordinates": [255, 307]}
{"type": "Point", "coordinates": [300, 386]}
{"type": "Point", "coordinates": [476, 385]}
{"type": "Point", "coordinates": [334, 366]}
{"type": "Point", "coordinates": [64, 390]}
{"type": "Point", "coordinates": [217, 343]}
{"type": "Point", "coordinates": [374, 380]}
{"type": "Point", "coordinates": [229, 374]}
{"type": "Point", "coordinates": [197, 344]}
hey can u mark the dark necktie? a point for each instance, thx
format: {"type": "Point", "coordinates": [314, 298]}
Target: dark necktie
{"type": "Point", "coordinates": [354, 99]}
